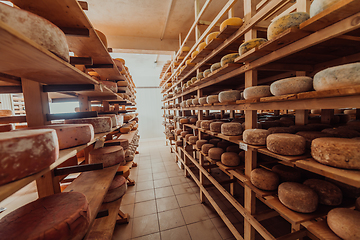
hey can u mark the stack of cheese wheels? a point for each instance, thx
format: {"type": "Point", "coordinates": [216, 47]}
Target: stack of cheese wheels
{"type": "Point", "coordinates": [229, 58]}
{"type": "Point", "coordinates": [317, 6]}
{"type": "Point", "coordinates": [248, 45]}
{"type": "Point", "coordinates": [344, 222]}
{"type": "Point", "coordinates": [216, 126]}
{"type": "Point", "coordinates": [205, 147]}
{"type": "Point", "coordinates": [26, 152]}
{"type": "Point", "coordinates": [202, 100]}
{"type": "Point", "coordinates": [211, 36]}
{"type": "Point", "coordinates": [337, 152]}
{"type": "Point", "coordinates": [124, 143]}
{"type": "Point", "coordinates": [298, 197]}
{"type": "Point", "coordinates": [286, 173]}
{"type": "Point", "coordinates": [193, 139]}
{"type": "Point", "coordinates": [36, 28]}
{"type": "Point", "coordinates": [215, 67]}
{"type": "Point", "coordinates": [201, 142]}
{"type": "Point", "coordinates": [63, 216]}
{"type": "Point", "coordinates": [108, 156]}
{"type": "Point", "coordinates": [336, 77]}
{"type": "Point", "coordinates": [234, 21]}
{"type": "Point", "coordinates": [207, 72]}
{"type": "Point", "coordinates": [329, 194]}
{"type": "Point", "coordinates": [255, 136]}
{"type": "Point", "coordinates": [311, 135]}
{"type": "Point", "coordinates": [291, 85]}
{"type": "Point", "coordinates": [286, 144]}
{"type": "Point", "coordinates": [229, 96]}
{"type": "Point", "coordinates": [116, 189]}
{"type": "Point", "coordinates": [264, 179]}
{"type": "Point", "coordinates": [124, 171]}
{"type": "Point", "coordinates": [257, 92]}
{"type": "Point", "coordinates": [285, 22]}
{"type": "Point", "coordinates": [212, 99]}
{"type": "Point", "coordinates": [231, 129]}
{"type": "Point", "coordinates": [100, 124]}
{"type": "Point", "coordinates": [205, 124]}
{"type": "Point", "coordinates": [6, 127]}
{"type": "Point", "coordinates": [230, 159]}
{"type": "Point", "coordinates": [215, 153]}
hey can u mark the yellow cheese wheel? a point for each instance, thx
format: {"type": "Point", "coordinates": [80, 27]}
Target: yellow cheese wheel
{"type": "Point", "coordinates": [194, 54]}
{"type": "Point", "coordinates": [211, 36]}
{"type": "Point", "coordinates": [121, 60]}
{"type": "Point", "coordinates": [207, 72]}
{"type": "Point", "coordinates": [201, 46]}
{"type": "Point", "coordinates": [188, 62]}
{"type": "Point", "coordinates": [185, 49]}
{"type": "Point", "coordinates": [94, 75]}
{"type": "Point", "coordinates": [234, 21]}
{"type": "Point", "coordinates": [248, 45]}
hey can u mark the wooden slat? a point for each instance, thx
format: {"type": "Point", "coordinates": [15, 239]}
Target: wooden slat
{"type": "Point", "coordinates": [353, 90]}
{"type": "Point", "coordinates": [322, 231]}
{"type": "Point", "coordinates": [289, 159]}
{"type": "Point", "coordinates": [13, 119]}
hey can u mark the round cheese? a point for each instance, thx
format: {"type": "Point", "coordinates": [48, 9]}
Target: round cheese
{"type": "Point", "coordinates": [286, 173]}
{"type": "Point", "coordinates": [234, 21]}
{"type": "Point", "coordinates": [311, 135]}
{"type": "Point", "coordinates": [231, 129]}
{"type": "Point", "coordinates": [230, 159]}
{"type": "Point", "coordinates": [194, 54]}
{"type": "Point", "coordinates": [264, 179]}
{"type": "Point", "coordinates": [189, 102]}
{"type": "Point", "coordinates": [337, 152]}
{"type": "Point", "coordinates": [201, 46]}
{"type": "Point", "coordinates": [198, 123]}
{"type": "Point", "coordinates": [124, 143]}
{"type": "Point", "coordinates": [206, 72]}
{"type": "Point", "coordinates": [26, 152]}
{"type": "Point", "coordinates": [205, 124]}
{"type": "Point", "coordinates": [215, 67]}
{"type": "Point", "coordinates": [183, 121]}
{"type": "Point", "coordinates": [233, 148]}
{"type": "Point", "coordinates": [116, 189]}
{"type": "Point", "coordinates": [212, 99]}
{"type": "Point", "coordinates": [248, 45]}
{"type": "Point", "coordinates": [317, 6]}
{"type": "Point", "coordinates": [336, 77]}
{"type": "Point", "coordinates": [285, 22]}
{"type": "Point", "coordinates": [179, 143]}
{"type": "Point", "coordinates": [187, 136]}
{"type": "Point", "coordinates": [216, 126]}
{"type": "Point", "coordinates": [257, 92]}
{"type": "Point", "coordinates": [215, 153]}
{"type": "Point", "coordinates": [214, 141]}
{"type": "Point", "coordinates": [344, 222]}
{"type": "Point", "coordinates": [183, 133]}
{"type": "Point", "coordinates": [193, 139]}
{"type": "Point", "coordinates": [205, 147]}
{"type": "Point", "coordinates": [6, 127]}
{"type": "Point", "coordinates": [329, 194]}
{"type": "Point", "coordinates": [280, 130]}
{"type": "Point", "coordinates": [211, 36]}
{"type": "Point", "coordinates": [36, 28]}
{"type": "Point", "coordinates": [341, 132]}
{"type": "Point", "coordinates": [229, 58]}
{"type": "Point", "coordinates": [192, 120]}
{"type": "Point", "coordinates": [291, 85]}
{"type": "Point", "coordinates": [229, 96]}
{"type": "Point", "coordinates": [255, 136]}
{"type": "Point", "coordinates": [195, 101]}
{"type": "Point", "coordinates": [200, 76]}
{"type": "Point", "coordinates": [185, 49]}
{"type": "Point", "coordinates": [202, 100]}
{"type": "Point", "coordinates": [286, 144]}
{"type": "Point", "coordinates": [100, 124]}
{"type": "Point", "coordinates": [62, 216]}
{"type": "Point", "coordinates": [199, 143]}
{"type": "Point", "coordinates": [298, 197]}
{"type": "Point", "coordinates": [108, 156]}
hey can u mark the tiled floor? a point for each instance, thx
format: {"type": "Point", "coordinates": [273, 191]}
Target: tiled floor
{"type": "Point", "coordinates": [164, 204]}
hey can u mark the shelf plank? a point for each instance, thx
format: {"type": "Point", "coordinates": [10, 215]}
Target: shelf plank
{"type": "Point", "coordinates": [288, 159]}
{"type": "Point", "coordinates": [350, 177]}
{"type": "Point", "coordinates": [322, 231]}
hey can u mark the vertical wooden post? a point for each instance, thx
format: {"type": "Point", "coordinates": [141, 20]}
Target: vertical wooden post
{"type": "Point", "coordinates": [106, 106]}
{"type": "Point", "coordinates": [327, 115]}
{"type": "Point", "coordinates": [301, 116]}
{"type": "Point", "coordinates": [84, 103]}
{"type": "Point", "coordinates": [231, 13]}
{"type": "Point", "coordinates": [116, 107]}
{"type": "Point", "coordinates": [357, 116]}
{"type": "Point", "coordinates": [303, 6]}
{"type": "Point", "coordinates": [276, 112]}
{"type": "Point", "coordinates": [201, 157]}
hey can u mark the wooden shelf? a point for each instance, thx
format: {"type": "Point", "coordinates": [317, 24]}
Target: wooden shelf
{"type": "Point", "coordinates": [322, 231]}
{"type": "Point", "coordinates": [289, 159]}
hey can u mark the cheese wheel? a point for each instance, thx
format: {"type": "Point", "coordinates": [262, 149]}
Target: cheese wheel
{"type": "Point", "coordinates": [216, 126]}
{"type": "Point", "coordinates": [298, 197]}
{"type": "Point", "coordinates": [291, 85]}
{"type": "Point", "coordinates": [286, 173]}
{"type": "Point", "coordinates": [202, 100]}
{"type": "Point", "coordinates": [124, 171]}
{"type": "Point", "coordinates": [286, 144]}
{"type": "Point", "coordinates": [108, 156]}
{"type": "Point", "coordinates": [317, 6]}
{"type": "Point", "coordinates": [127, 153]}
{"type": "Point", "coordinates": [229, 96]}
{"type": "Point", "coordinates": [184, 120]}
{"type": "Point", "coordinates": [118, 64]}
{"type": "Point", "coordinates": [255, 136]}
{"type": "Point", "coordinates": [211, 36]}
{"type": "Point", "coordinates": [187, 136]}
{"type": "Point", "coordinates": [194, 54]}
{"type": "Point", "coordinates": [189, 63]}
{"type": "Point", "coordinates": [344, 222]}
{"type": "Point", "coordinates": [6, 127]}
{"type": "Point", "coordinates": [201, 142]}
{"type": "Point", "coordinates": [233, 148]}
{"type": "Point", "coordinates": [257, 92]}
{"type": "Point", "coordinates": [311, 135]}
{"type": "Point", "coordinates": [198, 123]}
{"type": "Point", "coordinates": [248, 45]}
{"type": "Point", "coordinates": [205, 124]}
{"type": "Point", "coordinates": [205, 147]}
{"type": "Point", "coordinates": [234, 21]}
{"type": "Point", "coordinates": [329, 194]}
{"type": "Point", "coordinates": [122, 83]}
{"type": "Point", "coordinates": [280, 130]}
{"type": "Point", "coordinates": [179, 143]}
{"type": "Point", "coordinates": [264, 179]}
{"type": "Point", "coordinates": [214, 141]}
{"type": "Point", "coordinates": [124, 143]}
{"type": "Point", "coordinates": [285, 22]}
{"type": "Point", "coordinates": [183, 133]}
{"type": "Point", "coordinates": [341, 132]}
{"type": "Point", "coordinates": [231, 129]}
{"type": "Point", "coordinates": [206, 73]}
{"type": "Point", "coordinates": [121, 60]}
{"type": "Point", "coordinates": [62, 216]}
{"type": "Point", "coordinates": [113, 118]}
{"type": "Point", "coordinates": [36, 28]}
{"type": "Point", "coordinates": [229, 58]}
{"type": "Point", "coordinates": [337, 152]}
{"type": "Point", "coordinates": [215, 66]}
{"type": "Point", "coordinates": [215, 153]}
{"type": "Point", "coordinates": [200, 76]}
{"type": "Point", "coordinates": [26, 152]}
{"type": "Point", "coordinates": [193, 139]}
{"type": "Point", "coordinates": [223, 144]}
{"type": "Point", "coordinates": [116, 189]}
{"type": "Point", "coordinates": [100, 124]}
{"type": "Point", "coordinates": [212, 99]}
{"type": "Point", "coordinates": [230, 159]}
{"type": "Point", "coordinates": [5, 113]}
{"type": "Point", "coordinates": [192, 120]}
{"type": "Point", "coordinates": [201, 46]}
{"type": "Point", "coordinates": [193, 80]}
{"type": "Point", "coordinates": [185, 49]}
{"type": "Point", "coordinates": [195, 101]}
{"type": "Point", "coordinates": [189, 102]}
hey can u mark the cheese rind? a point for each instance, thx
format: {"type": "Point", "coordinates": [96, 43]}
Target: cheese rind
{"type": "Point", "coordinates": [108, 156]}
{"type": "Point", "coordinates": [205, 148]}
{"type": "Point", "coordinates": [229, 58]}
{"type": "Point", "coordinates": [215, 67]}
{"type": "Point", "coordinates": [248, 45]}
{"type": "Point", "coordinates": [344, 222]}
{"type": "Point", "coordinates": [216, 126]}
{"type": "Point", "coordinates": [202, 100]}
{"type": "Point", "coordinates": [207, 72]}
{"type": "Point", "coordinates": [264, 179]}
{"type": "Point", "coordinates": [211, 36]}
{"type": "Point", "coordinates": [286, 144]}
{"type": "Point", "coordinates": [291, 85]}
{"type": "Point", "coordinates": [116, 190]}
{"type": "Point", "coordinates": [193, 139]}
{"type": "Point", "coordinates": [229, 96]}
{"type": "Point", "coordinates": [329, 194]}
{"type": "Point", "coordinates": [201, 142]}
{"type": "Point", "coordinates": [100, 124]}
{"type": "Point", "coordinates": [255, 136]}
{"type": "Point", "coordinates": [230, 159]}
{"type": "Point", "coordinates": [317, 6]}
{"type": "Point", "coordinates": [234, 21]}
{"type": "Point", "coordinates": [205, 124]}
{"type": "Point", "coordinates": [215, 153]}
{"type": "Point", "coordinates": [257, 92]}
{"type": "Point", "coordinates": [124, 143]}
{"type": "Point", "coordinates": [231, 129]}
{"type": "Point", "coordinates": [212, 99]}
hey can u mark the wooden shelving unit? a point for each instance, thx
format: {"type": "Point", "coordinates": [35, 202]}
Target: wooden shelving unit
{"type": "Point", "coordinates": [328, 39]}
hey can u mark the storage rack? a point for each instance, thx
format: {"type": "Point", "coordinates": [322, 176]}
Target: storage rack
{"type": "Point", "coordinates": [61, 81]}
{"type": "Point", "coordinates": [328, 39]}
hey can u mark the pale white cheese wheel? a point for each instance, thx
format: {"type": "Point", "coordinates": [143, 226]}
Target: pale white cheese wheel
{"type": "Point", "coordinates": [36, 28]}
{"type": "Point", "coordinates": [198, 123]}
{"type": "Point", "coordinates": [202, 100]}
{"type": "Point", "coordinates": [345, 223]}
{"type": "Point", "coordinates": [100, 124]}
{"type": "Point", "coordinates": [215, 153]}
{"type": "Point", "coordinates": [286, 144]}
{"type": "Point", "coordinates": [212, 99]}
{"type": "Point", "coordinates": [229, 96]}
{"type": "Point", "coordinates": [264, 179]}
{"type": "Point", "coordinates": [329, 194]}
{"type": "Point", "coordinates": [317, 6]}
{"type": "Point", "coordinates": [337, 152]}
{"type": "Point", "coordinates": [205, 124]}
{"type": "Point", "coordinates": [336, 77]}
{"type": "Point", "coordinates": [195, 101]}
{"type": "Point", "coordinates": [255, 136]}
{"type": "Point", "coordinates": [291, 85]}
{"type": "Point", "coordinates": [25, 152]}
{"type": "Point", "coordinates": [298, 197]}
{"type": "Point", "coordinates": [113, 118]}
{"type": "Point", "coordinates": [205, 147]}
{"type": "Point", "coordinates": [230, 159]}
{"type": "Point", "coordinates": [216, 126]}
{"type": "Point", "coordinates": [257, 92]}
{"type": "Point", "coordinates": [116, 190]}
{"type": "Point", "coordinates": [231, 129]}
{"type": "Point", "coordinates": [108, 156]}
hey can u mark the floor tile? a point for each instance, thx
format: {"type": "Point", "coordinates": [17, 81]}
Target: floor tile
{"type": "Point", "coordinates": [145, 178]}
{"type": "Point", "coordinates": [159, 170]}
{"type": "Point", "coordinates": [128, 198]}
{"type": "Point", "coordinates": [159, 183]}
{"type": "Point", "coordinates": [160, 175]}
{"type": "Point", "coordinates": [164, 192]}
{"type": "Point", "coordinates": [167, 203]}
{"type": "Point", "coordinates": [194, 213]}
{"type": "Point", "coordinates": [145, 225]}
{"type": "Point", "coordinates": [180, 233]}
{"type": "Point", "coordinates": [141, 186]}
{"type": "Point", "coordinates": [224, 231]}
{"type": "Point", "coordinates": [203, 230]}
{"type": "Point", "coordinates": [154, 236]}
{"type": "Point", "coordinates": [145, 195]}
{"type": "Point", "coordinates": [123, 231]}
{"type": "Point", "coordinates": [178, 180]}
{"type": "Point", "coordinates": [144, 208]}
{"type": "Point", "coordinates": [129, 208]}
{"type": "Point", "coordinates": [187, 199]}
{"type": "Point", "coordinates": [170, 219]}
{"type": "Point", "coordinates": [175, 173]}
{"type": "Point", "coordinates": [182, 188]}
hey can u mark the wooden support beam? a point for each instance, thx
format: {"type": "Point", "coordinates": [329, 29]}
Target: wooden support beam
{"type": "Point", "coordinates": [327, 115]}
{"type": "Point", "coordinates": [10, 78]}
{"type": "Point", "coordinates": [81, 61]}
{"type": "Point", "coordinates": [77, 169]}
{"type": "Point", "coordinates": [99, 66]}
{"type": "Point", "coordinates": [84, 103]}
{"type": "Point", "coordinates": [77, 32]}
{"type": "Point", "coordinates": [68, 87]}
{"type": "Point", "coordinates": [10, 89]}
{"type": "Point", "coordinates": [58, 116]}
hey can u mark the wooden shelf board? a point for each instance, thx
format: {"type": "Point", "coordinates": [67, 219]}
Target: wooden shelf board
{"type": "Point", "coordinates": [129, 136]}
{"type": "Point", "coordinates": [350, 177]}
{"type": "Point", "coordinates": [227, 168]}
{"type": "Point", "coordinates": [214, 43]}
{"type": "Point", "coordinates": [227, 32]}
{"type": "Point", "coordinates": [289, 159]}
{"type": "Point", "coordinates": [322, 231]}
{"type": "Point", "coordinates": [223, 70]}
